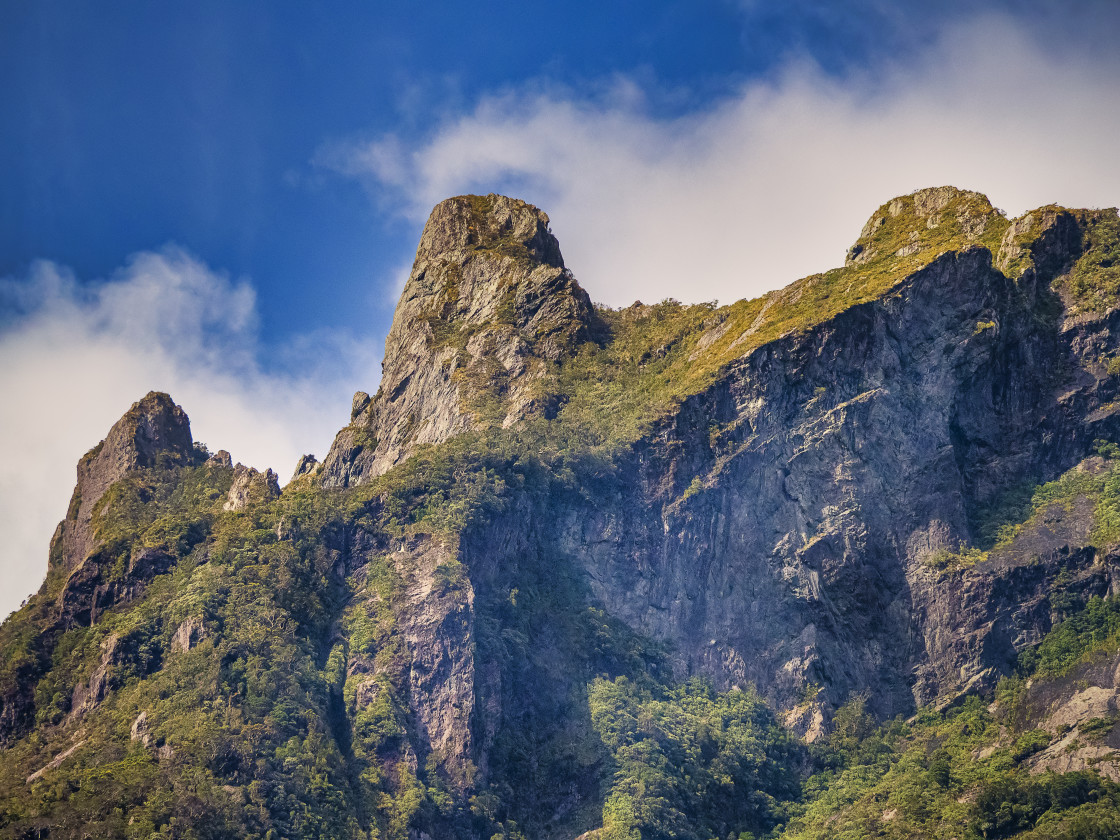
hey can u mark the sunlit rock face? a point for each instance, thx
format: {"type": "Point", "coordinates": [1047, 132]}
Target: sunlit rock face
{"type": "Point", "coordinates": [488, 306]}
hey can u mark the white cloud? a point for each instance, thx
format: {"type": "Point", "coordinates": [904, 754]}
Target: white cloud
{"type": "Point", "coordinates": [775, 182]}
{"type": "Point", "coordinates": [74, 357]}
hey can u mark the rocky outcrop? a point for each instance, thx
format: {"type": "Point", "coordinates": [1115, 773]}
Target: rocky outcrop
{"type": "Point", "coordinates": [153, 431]}
{"type": "Point", "coordinates": [141, 730]}
{"type": "Point", "coordinates": [250, 486]}
{"type": "Point", "coordinates": [221, 458]}
{"type": "Point", "coordinates": [434, 617]}
{"type": "Point", "coordinates": [188, 635]}
{"type": "Point", "coordinates": [818, 456]}
{"type": "Point", "coordinates": [975, 620]}
{"type": "Point", "coordinates": [81, 583]}
{"type": "Point", "coordinates": [1080, 711]}
{"type": "Point", "coordinates": [487, 308]}
{"type": "Point", "coordinates": [307, 465]}
{"type": "Point", "coordinates": [92, 588]}
{"type": "Point", "coordinates": [908, 224]}
{"type": "Point", "coordinates": [89, 694]}
{"type": "Point", "coordinates": [56, 762]}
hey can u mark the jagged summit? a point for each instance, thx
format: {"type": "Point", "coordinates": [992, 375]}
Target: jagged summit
{"type": "Point", "coordinates": [467, 223]}
{"type": "Point", "coordinates": [911, 229]}
{"type": "Point", "coordinates": [489, 313]}
{"type": "Point", "coordinates": [153, 427]}
{"type": "Point", "coordinates": [488, 305]}
{"type": "Point", "coordinates": [936, 215]}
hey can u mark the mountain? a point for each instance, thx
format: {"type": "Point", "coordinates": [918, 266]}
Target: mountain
{"type": "Point", "coordinates": [837, 560]}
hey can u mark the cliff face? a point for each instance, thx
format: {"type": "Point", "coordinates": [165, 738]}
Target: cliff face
{"type": "Point", "coordinates": [487, 307]}
{"type": "Point", "coordinates": [784, 527]}
{"type": "Point", "coordinates": [786, 516]}
{"type": "Point", "coordinates": [778, 529]}
{"type": "Point", "coordinates": [885, 482]}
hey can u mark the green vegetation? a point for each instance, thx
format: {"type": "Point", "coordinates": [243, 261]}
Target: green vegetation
{"type": "Point", "coordinates": [490, 237]}
{"type": "Point", "coordinates": [1023, 506]}
{"type": "Point", "coordinates": [963, 772]}
{"type": "Point", "coordinates": [1094, 282]}
{"type": "Point", "coordinates": [291, 715]}
{"type": "Point", "coordinates": [168, 508]}
{"type": "Point", "coordinates": [1092, 632]}
{"type": "Point", "coordinates": [931, 221]}
{"type": "Point", "coordinates": [658, 355]}
{"type": "Point", "coordinates": [239, 742]}
{"type": "Point", "coordinates": [690, 763]}
{"type": "Point", "coordinates": [964, 557]}
{"type": "Point", "coordinates": [610, 394]}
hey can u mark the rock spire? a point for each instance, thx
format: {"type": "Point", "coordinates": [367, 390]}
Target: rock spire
{"type": "Point", "coordinates": [488, 305]}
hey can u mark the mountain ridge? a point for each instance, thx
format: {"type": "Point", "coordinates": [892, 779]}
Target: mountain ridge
{"type": "Point", "coordinates": [922, 225]}
{"type": "Point", "coordinates": [866, 495]}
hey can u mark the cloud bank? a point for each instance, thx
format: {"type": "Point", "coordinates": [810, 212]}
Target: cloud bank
{"type": "Point", "coordinates": [775, 182]}
{"type": "Point", "coordinates": [75, 357]}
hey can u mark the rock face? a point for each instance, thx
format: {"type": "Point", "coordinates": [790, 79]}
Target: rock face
{"type": "Point", "coordinates": [832, 464]}
{"type": "Point", "coordinates": [152, 429]}
{"type": "Point", "coordinates": [838, 452]}
{"type": "Point", "coordinates": [488, 306]}
{"type": "Point", "coordinates": [249, 486]}
{"type": "Point", "coordinates": [974, 621]}
{"type": "Point", "coordinates": [153, 432]}
{"type": "Point", "coordinates": [435, 621]}
{"type": "Point", "coordinates": [307, 464]}
{"type": "Point", "coordinates": [188, 635]}
{"type": "Point", "coordinates": [829, 466]}
{"type": "Point", "coordinates": [87, 696]}
{"type": "Point", "coordinates": [1080, 712]}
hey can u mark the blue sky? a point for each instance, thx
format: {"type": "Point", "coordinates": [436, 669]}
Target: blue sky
{"type": "Point", "coordinates": [222, 199]}
{"type": "Point", "coordinates": [199, 123]}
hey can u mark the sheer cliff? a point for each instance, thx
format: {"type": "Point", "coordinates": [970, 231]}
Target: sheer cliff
{"type": "Point", "coordinates": [573, 568]}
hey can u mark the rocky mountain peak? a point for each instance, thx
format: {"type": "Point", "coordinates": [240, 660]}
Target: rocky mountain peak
{"type": "Point", "coordinates": [926, 218]}
{"type": "Point", "coordinates": [251, 486]}
{"type": "Point", "coordinates": [470, 223]}
{"type": "Point", "coordinates": [488, 305]}
{"type": "Point", "coordinates": [485, 261]}
{"type": "Point", "coordinates": [153, 429]}
{"type": "Point", "coordinates": [872, 495]}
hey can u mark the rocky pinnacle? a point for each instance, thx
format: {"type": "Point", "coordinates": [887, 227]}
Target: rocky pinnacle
{"type": "Point", "coordinates": [488, 306]}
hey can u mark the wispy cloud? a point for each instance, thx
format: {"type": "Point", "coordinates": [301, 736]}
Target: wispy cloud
{"type": "Point", "coordinates": [76, 356]}
{"type": "Point", "coordinates": [775, 182]}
